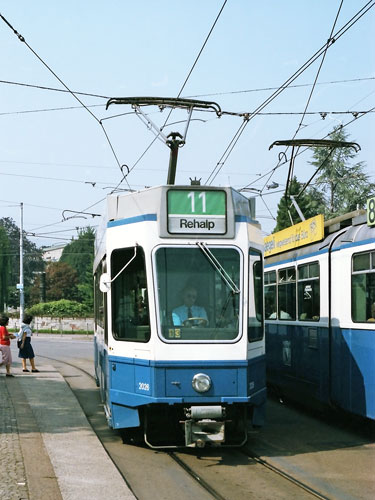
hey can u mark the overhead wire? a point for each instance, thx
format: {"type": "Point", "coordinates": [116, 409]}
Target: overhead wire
{"type": "Point", "coordinates": [180, 92]}
{"type": "Point", "coordinates": [291, 164]}
{"type": "Point", "coordinates": [67, 108]}
{"type": "Point", "coordinates": [54, 89]}
{"type": "Point", "coordinates": [22, 39]}
{"type": "Point", "coordinates": [53, 178]}
{"type": "Point", "coordinates": [300, 152]}
{"type": "Point", "coordinates": [264, 89]}
{"type": "Point", "coordinates": [291, 79]}
{"type": "Point", "coordinates": [213, 94]}
{"type": "Point", "coordinates": [371, 110]}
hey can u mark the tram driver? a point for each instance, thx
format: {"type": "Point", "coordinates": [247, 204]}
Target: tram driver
{"type": "Point", "coordinates": [189, 314]}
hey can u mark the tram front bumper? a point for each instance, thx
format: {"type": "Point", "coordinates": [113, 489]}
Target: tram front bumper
{"type": "Point", "coordinates": [204, 424]}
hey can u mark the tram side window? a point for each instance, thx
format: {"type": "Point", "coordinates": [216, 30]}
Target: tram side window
{"type": "Point", "coordinates": [130, 317]}
{"type": "Point", "coordinates": [308, 292]}
{"type": "Point", "coordinates": [99, 297]}
{"type": "Point", "coordinates": [286, 293]}
{"type": "Point", "coordinates": [363, 287]}
{"type": "Point", "coordinates": [270, 295]}
{"type": "Point", "coordinates": [255, 321]}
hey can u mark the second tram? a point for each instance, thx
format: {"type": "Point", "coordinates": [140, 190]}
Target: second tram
{"type": "Point", "coordinates": [320, 313]}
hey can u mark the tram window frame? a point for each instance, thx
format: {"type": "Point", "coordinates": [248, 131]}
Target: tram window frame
{"type": "Point", "coordinates": [223, 307]}
{"type": "Point", "coordinates": [130, 314]}
{"type": "Point", "coordinates": [286, 287]}
{"type": "Point", "coordinates": [255, 328]}
{"type": "Point", "coordinates": [270, 295]}
{"type": "Point", "coordinates": [363, 287]}
{"type": "Point", "coordinates": [312, 280]}
{"type": "Point", "coordinates": [100, 300]}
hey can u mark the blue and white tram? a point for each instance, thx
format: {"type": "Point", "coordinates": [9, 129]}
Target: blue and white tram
{"type": "Point", "coordinates": [320, 323]}
{"type": "Point", "coordinates": [184, 373]}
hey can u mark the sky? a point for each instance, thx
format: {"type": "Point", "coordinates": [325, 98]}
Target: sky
{"type": "Point", "coordinates": [59, 160]}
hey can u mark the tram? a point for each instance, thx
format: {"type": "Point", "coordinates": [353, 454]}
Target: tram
{"type": "Point", "coordinates": [319, 285]}
{"type": "Point", "coordinates": [179, 330]}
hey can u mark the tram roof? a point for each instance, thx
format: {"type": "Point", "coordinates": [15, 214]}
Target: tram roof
{"type": "Point", "coordinates": [133, 204]}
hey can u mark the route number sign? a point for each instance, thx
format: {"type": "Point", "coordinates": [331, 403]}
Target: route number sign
{"type": "Point", "coordinates": [371, 211]}
{"type": "Point", "coordinates": [196, 212]}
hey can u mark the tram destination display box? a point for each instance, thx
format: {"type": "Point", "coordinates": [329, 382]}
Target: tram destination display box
{"type": "Point", "coordinates": [197, 210]}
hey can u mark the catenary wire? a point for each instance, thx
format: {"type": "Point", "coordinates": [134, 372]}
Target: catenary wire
{"type": "Point", "coordinates": [245, 91]}
{"type": "Point", "coordinates": [371, 110]}
{"type": "Point", "coordinates": [273, 96]}
{"type": "Point", "coordinates": [291, 165]}
{"type": "Point", "coordinates": [179, 94]}
{"type": "Point", "coordinates": [22, 39]}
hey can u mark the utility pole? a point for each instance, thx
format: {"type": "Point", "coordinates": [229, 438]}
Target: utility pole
{"type": "Point", "coordinates": [20, 286]}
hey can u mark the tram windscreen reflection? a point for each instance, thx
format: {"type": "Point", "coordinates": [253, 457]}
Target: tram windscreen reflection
{"type": "Point", "coordinates": [195, 302]}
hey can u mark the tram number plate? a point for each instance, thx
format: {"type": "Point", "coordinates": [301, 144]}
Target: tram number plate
{"type": "Point", "coordinates": [196, 212]}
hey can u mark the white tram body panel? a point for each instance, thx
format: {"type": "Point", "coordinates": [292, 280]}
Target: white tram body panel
{"type": "Point", "coordinates": [179, 344]}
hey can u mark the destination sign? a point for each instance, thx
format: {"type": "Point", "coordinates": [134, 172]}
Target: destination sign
{"type": "Point", "coordinates": [196, 212]}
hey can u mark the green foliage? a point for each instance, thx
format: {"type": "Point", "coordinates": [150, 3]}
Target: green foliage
{"type": "Point", "coordinates": [60, 309]}
{"type": "Point", "coordinates": [32, 261]}
{"type": "Point", "coordinates": [344, 185]}
{"type": "Point", "coordinates": [61, 281]}
{"type": "Point", "coordinates": [338, 188]}
{"type": "Point", "coordinates": [311, 203]}
{"type": "Point", "coordinates": [79, 254]}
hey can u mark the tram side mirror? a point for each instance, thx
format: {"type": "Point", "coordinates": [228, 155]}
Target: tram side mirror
{"type": "Point", "coordinates": [105, 283]}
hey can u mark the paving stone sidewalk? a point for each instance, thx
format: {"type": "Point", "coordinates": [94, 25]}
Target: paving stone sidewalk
{"type": "Point", "coordinates": [12, 471]}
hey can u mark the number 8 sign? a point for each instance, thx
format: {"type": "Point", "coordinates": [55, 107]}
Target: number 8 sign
{"type": "Point", "coordinates": [371, 212]}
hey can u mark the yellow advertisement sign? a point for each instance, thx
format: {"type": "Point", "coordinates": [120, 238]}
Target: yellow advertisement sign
{"type": "Point", "coordinates": [305, 232]}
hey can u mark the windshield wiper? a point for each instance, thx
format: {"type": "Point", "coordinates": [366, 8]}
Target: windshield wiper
{"type": "Point", "coordinates": [219, 268]}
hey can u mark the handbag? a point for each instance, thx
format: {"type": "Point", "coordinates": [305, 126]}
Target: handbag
{"type": "Point", "coordinates": [19, 342]}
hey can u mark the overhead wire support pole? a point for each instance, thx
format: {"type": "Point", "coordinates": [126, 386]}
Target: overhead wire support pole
{"type": "Point", "coordinates": [21, 283]}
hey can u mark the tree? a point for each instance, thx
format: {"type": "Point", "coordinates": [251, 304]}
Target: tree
{"type": "Point", "coordinates": [4, 268]}
{"type": "Point", "coordinates": [310, 202]}
{"type": "Point", "coordinates": [32, 261]}
{"type": "Point", "coordinates": [345, 186]}
{"type": "Point", "coordinates": [338, 188]}
{"type": "Point", "coordinates": [61, 281]}
{"type": "Point", "coordinates": [79, 254]}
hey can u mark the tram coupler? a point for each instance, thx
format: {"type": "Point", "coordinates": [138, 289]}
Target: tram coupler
{"type": "Point", "coordinates": [202, 426]}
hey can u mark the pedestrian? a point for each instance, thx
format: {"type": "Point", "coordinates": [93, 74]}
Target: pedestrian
{"type": "Point", "coordinates": [26, 350]}
{"type": "Point", "coordinates": [5, 337]}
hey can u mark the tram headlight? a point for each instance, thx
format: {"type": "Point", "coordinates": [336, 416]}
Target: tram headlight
{"type": "Point", "coordinates": [201, 382]}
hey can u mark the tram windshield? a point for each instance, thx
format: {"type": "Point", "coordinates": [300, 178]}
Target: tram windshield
{"type": "Point", "coordinates": [198, 297]}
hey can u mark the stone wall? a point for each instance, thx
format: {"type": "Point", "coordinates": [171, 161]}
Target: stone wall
{"type": "Point", "coordinates": [56, 324]}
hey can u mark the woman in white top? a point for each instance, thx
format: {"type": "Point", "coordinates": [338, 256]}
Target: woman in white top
{"type": "Point", "coordinates": [26, 350]}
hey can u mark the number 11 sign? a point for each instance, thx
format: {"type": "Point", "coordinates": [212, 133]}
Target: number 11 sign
{"type": "Point", "coordinates": [196, 211]}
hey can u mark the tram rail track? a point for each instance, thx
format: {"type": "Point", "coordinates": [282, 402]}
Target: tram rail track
{"type": "Point", "coordinates": [188, 469]}
{"type": "Point", "coordinates": [184, 466]}
{"type": "Point", "coordinates": [285, 475]}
